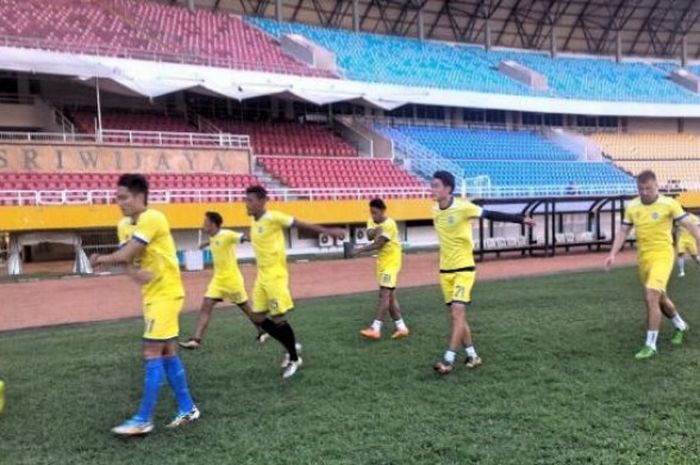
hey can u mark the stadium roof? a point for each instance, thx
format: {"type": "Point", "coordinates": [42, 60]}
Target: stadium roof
{"type": "Point", "coordinates": [646, 27]}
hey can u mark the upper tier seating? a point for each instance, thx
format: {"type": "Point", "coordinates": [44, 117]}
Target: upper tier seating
{"type": "Point", "coordinates": [602, 78]}
{"type": "Point", "coordinates": [290, 139]}
{"type": "Point", "coordinates": [508, 158]}
{"type": "Point", "coordinates": [146, 29]}
{"type": "Point", "coordinates": [329, 173]}
{"type": "Point", "coordinates": [408, 61]}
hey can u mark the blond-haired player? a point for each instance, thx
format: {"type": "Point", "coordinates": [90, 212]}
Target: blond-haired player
{"type": "Point", "coordinates": [652, 216]}
{"type": "Point", "coordinates": [385, 239]}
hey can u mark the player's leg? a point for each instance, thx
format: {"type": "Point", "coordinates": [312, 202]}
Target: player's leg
{"type": "Point", "coordinates": [395, 312]}
{"type": "Point", "coordinates": [248, 311]}
{"type": "Point", "coordinates": [680, 326]}
{"type": "Point", "coordinates": [187, 411]}
{"type": "Point", "coordinates": [456, 288]}
{"type": "Point", "coordinates": [205, 313]}
{"type": "Point", "coordinates": [681, 264]}
{"type": "Point", "coordinates": [271, 302]}
{"type": "Point", "coordinates": [374, 331]}
{"type": "Point", "coordinates": [154, 374]}
{"type": "Point", "coordinates": [652, 299]}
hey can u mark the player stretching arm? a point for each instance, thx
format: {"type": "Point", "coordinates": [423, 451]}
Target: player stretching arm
{"type": "Point", "coordinates": [453, 218]}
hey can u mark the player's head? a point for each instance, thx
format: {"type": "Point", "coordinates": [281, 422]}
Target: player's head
{"type": "Point", "coordinates": [132, 193]}
{"type": "Point", "coordinates": [377, 209]}
{"type": "Point", "coordinates": [647, 186]}
{"type": "Point", "coordinates": [442, 185]}
{"type": "Point", "coordinates": [255, 200]}
{"type": "Point", "coordinates": [212, 223]}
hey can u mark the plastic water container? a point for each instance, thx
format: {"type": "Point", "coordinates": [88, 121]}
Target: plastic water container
{"type": "Point", "coordinates": [194, 260]}
{"type": "Point", "coordinates": [181, 257]}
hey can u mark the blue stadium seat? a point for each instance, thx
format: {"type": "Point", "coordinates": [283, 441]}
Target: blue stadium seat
{"type": "Point", "coordinates": [509, 158]}
{"type": "Point", "coordinates": [408, 61]}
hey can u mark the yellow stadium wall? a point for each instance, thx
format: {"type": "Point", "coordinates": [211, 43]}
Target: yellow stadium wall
{"type": "Point", "coordinates": [690, 200]}
{"type": "Point", "coordinates": [189, 216]}
{"type": "Point", "coordinates": [104, 159]}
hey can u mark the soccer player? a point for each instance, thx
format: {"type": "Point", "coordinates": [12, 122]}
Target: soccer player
{"type": "Point", "coordinates": [453, 218]}
{"type": "Point", "coordinates": [652, 215]}
{"type": "Point", "coordinates": [227, 282]}
{"type": "Point", "coordinates": [384, 233]}
{"type": "Point", "coordinates": [148, 248]}
{"type": "Point", "coordinates": [271, 297]}
{"type": "Point", "coordinates": [686, 245]}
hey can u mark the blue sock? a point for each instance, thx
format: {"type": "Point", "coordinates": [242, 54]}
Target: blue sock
{"type": "Point", "coordinates": [175, 371]}
{"type": "Point", "coordinates": [153, 379]}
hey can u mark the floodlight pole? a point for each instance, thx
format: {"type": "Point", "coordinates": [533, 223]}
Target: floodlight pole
{"type": "Point", "coordinates": [99, 109]}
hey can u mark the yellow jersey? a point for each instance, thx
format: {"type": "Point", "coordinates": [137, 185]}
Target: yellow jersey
{"type": "Point", "coordinates": [389, 256]}
{"type": "Point", "coordinates": [685, 235]}
{"type": "Point", "coordinates": [223, 252]}
{"type": "Point", "coordinates": [159, 259]}
{"type": "Point", "coordinates": [653, 224]}
{"type": "Point", "coordinates": [454, 230]}
{"type": "Point", "coordinates": [267, 237]}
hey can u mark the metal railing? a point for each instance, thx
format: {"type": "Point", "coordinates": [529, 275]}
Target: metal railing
{"type": "Point", "coordinates": [136, 138]}
{"type": "Point", "coordinates": [169, 196]}
{"type": "Point", "coordinates": [17, 99]}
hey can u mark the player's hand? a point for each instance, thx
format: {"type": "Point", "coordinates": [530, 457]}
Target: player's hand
{"type": "Point", "coordinates": [336, 233]}
{"type": "Point", "coordinates": [95, 259]}
{"type": "Point", "coordinates": [609, 261]}
{"type": "Point", "coordinates": [140, 276]}
{"type": "Point", "coordinates": [529, 222]}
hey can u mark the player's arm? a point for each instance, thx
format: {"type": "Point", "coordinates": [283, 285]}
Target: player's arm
{"type": "Point", "coordinates": [125, 254]}
{"type": "Point", "coordinates": [337, 233]}
{"type": "Point", "coordinates": [502, 217]}
{"type": "Point", "coordinates": [619, 241]}
{"type": "Point", "coordinates": [378, 243]}
{"type": "Point", "coordinates": [204, 245]}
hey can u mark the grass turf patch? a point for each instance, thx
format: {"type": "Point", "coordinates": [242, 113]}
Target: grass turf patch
{"type": "Point", "coordinates": [559, 386]}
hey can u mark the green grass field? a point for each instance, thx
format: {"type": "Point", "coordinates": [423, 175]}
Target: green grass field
{"type": "Point", "coordinates": [559, 386]}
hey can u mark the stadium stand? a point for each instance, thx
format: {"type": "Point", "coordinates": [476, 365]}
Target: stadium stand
{"type": "Point", "coordinates": [406, 61]}
{"type": "Point", "coordinates": [509, 158]}
{"type": "Point", "coordinates": [674, 157]}
{"type": "Point", "coordinates": [338, 173]}
{"type": "Point", "coordinates": [288, 138]}
{"type": "Point", "coordinates": [85, 122]}
{"type": "Point", "coordinates": [148, 30]}
{"type": "Point", "coordinates": [602, 78]}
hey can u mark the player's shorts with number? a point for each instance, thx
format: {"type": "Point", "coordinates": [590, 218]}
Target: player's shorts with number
{"type": "Point", "coordinates": [271, 294]}
{"type": "Point", "coordinates": [689, 247]}
{"type": "Point", "coordinates": [387, 278]}
{"type": "Point", "coordinates": [231, 289]}
{"type": "Point", "coordinates": [161, 319]}
{"type": "Point", "coordinates": [457, 286]}
{"type": "Point", "coordinates": [655, 270]}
